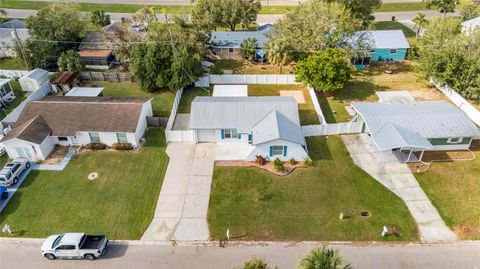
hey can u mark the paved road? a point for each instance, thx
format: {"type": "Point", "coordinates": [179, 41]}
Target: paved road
{"type": "Point", "coordinates": [261, 19]}
{"type": "Point", "coordinates": [458, 256]}
{"type": "Point", "coordinates": [188, 2]}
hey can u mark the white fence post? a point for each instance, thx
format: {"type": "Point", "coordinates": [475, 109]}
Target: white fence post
{"type": "Point", "coordinates": [253, 79]}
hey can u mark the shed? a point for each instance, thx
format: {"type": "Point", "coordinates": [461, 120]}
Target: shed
{"type": "Point", "coordinates": [33, 80]}
{"type": "Point", "coordinates": [66, 81]}
{"type": "Point", "coordinates": [85, 91]}
{"type": "Point", "coordinates": [230, 90]}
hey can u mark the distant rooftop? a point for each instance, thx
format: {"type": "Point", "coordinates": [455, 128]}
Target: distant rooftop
{"type": "Point", "coordinates": [233, 39]}
{"type": "Point", "coordinates": [381, 39]}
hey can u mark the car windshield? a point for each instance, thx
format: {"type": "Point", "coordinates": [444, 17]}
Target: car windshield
{"type": "Point", "coordinates": [57, 241]}
{"type": "Point", "coordinates": [2, 178]}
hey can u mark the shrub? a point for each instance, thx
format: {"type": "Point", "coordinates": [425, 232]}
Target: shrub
{"type": "Point", "coordinates": [260, 160]}
{"type": "Point", "coordinates": [255, 263]}
{"type": "Point", "coordinates": [278, 164]}
{"type": "Point", "coordinates": [292, 161]}
{"type": "Point", "coordinates": [323, 258]}
{"type": "Point", "coordinates": [215, 70]}
{"type": "Point", "coordinates": [122, 146]}
{"type": "Point", "coordinates": [96, 146]}
{"type": "Point", "coordinates": [307, 162]}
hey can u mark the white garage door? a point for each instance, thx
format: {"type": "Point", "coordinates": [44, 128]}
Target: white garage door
{"type": "Point", "coordinates": [206, 135]}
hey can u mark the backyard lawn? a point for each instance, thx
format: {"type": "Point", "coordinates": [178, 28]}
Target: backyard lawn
{"type": "Point", "coordinates": [305, 205]}
{"type": "Point", "coordinates": [454, 189]}
{"type": "Point", "coordinates": [20, 96]}
{"type": "Point", "coordinates": [12, 64]}
{"type": "Point", "coordinates": [245, 67]}
{"type": "Point", "coordinates": [162, 100]}
{"type": "Point", "coordinates": [306, 111]}
{"type": "Point", "coordinates": [188, 95]}
{"type": "Point", "coordinates": [120, 203]}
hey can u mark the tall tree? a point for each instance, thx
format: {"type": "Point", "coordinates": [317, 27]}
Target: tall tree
{"type": "Point", "coordinates": [248, 48]}
{"type": "Point", "coordinates": [326, 71]}
{"type": "Point", "coordinates": [56, 28]}
{"type": "Point", "coordinates": [314, 26]}
{"type": "Point", "coordinates": [361, 9]}
{"type": "Point", "coordinates": [99, 18]}
{"type": "Point", "coordinates": [445, 5]}
{"type": "Point", "coordinates": [70, 61]}
{"type": "Point", "coordinates": [420, 22]}
{"type": "Point", "coordinates": [279, 52]}
{"type": "Point", "coordinates": [323, 258]}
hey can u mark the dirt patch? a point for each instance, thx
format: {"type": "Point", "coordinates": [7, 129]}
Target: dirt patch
{"type": "Point", "coordinates": [418, 167]}
{"type": "Point", "coordinates": [467, 232]}
{"type": "Point", "coordinates": [287, 167]}
{"type": "Point", "coordinates": [298, 95]}
{"type": "Point", "coordinates": [442, 156]}
{"type": "Point", "coordinates": [56, 156]}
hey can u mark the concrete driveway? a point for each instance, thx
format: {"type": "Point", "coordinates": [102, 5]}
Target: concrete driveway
{"type": "Point", "coordinates": [398, 178]}
{"type": "Point", "coordinates": [182, 207]}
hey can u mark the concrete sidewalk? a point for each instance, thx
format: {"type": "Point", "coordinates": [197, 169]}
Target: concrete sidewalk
{"type": "Point", "coordinates": [398, 178]}
{"type": "Point", "coordinates": [182, 207]}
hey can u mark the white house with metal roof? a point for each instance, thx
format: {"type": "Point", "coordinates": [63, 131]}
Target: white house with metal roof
{"type": "Point", "coordinates": [226, 45]}
{"type": "Point", "coordinates": [416, 127]}
{"type": "Point", "coordinates": [266, 126]}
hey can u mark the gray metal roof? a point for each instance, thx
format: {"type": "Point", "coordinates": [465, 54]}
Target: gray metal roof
{"type": "Point", "coordinates": [429, 119]}
{"type": "Point", "coordinates": [392, 136]}
{"type": "Point", "coordinates": [276, 126]}
{"type": "Point", "coordinates": [14, 24]}
{"type": "Point", "coordinates": [7, 35]}
{"type": "Point", "coordinates": [381, 39]}
{"type": "Point", "coordinates": [36, 74]}
{"type": "Point", "coordinates": [246, 113]}
{"type": "Point", "coordinates": [233, 39]}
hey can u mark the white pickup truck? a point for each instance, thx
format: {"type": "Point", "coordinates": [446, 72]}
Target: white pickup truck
{"type": "Point", "coordinates": [74, 246]}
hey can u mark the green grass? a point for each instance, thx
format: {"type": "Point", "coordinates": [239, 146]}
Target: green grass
{"type": "Point", "coordinates": [179, 9]}
{"type": "Point", "coordinates": [187, 97]}
{"type": "Point", "coordinates": [12, 64]}
{"type": "Point", "coordinates": [120, 203]}
{"type": "Point", "coordinates": [12, 105]}
{"type": "Point", "coordinates": [305, 205]}
{"type": "Point", "coordinates": [306, 111]}
{"type": "Point", "coordinates": [454, 189]}
{"type": "Point", "coordinates": [162, 100]}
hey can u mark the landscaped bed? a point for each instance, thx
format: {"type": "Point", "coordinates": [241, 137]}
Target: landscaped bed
{"type": "Point", "coordinates": [119, 203]}
{"type": "Point", "coordinates": [306, 205]}
{"type": "Point", "coordinates": [454, 189]}
{"type": "Point", "coordinates": [162, 100]}
{"type": "Point", "coordinates": [307, 111]}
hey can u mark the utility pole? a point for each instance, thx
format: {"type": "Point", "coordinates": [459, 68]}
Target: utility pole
{"type": "Point", "coordinates": [20, 45]}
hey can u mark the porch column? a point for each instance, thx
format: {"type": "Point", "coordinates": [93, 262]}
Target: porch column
{"type": "Point", "coordinates": [379, 157]}
{"type": "Point", "coordinates": [409, 155]}
{"type": "Point", "coordinates": [421, 155]}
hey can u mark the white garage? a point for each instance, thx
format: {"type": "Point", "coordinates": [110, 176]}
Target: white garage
{"type": "Point", "coordinates": [206, 135]}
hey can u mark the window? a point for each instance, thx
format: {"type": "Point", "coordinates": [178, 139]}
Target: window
{"type": "Point", "coordinates": [62, 138]}
{"type": "Point", "coordinates": [454, 140]}
{"type": "Point", "coordinates": [66, 247]}
{"type": "Point", "coordinates": [276, 150]}
{"type": "Point", "coordinates": [94, 137]}
{"type": "Point", "coordinates": [122, 138]}
{"type": "Point", "coordinates": [229, 133]}
{"type": "Point", "coordinates": [393, 51]}
{"type": "Point", "coordinates": [217, 50]}
{"type": "Point", "coordinates": [230, 50]}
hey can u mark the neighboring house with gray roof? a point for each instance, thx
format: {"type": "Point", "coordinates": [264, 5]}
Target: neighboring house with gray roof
{"type": "Point", "coordinates": [226, 45]}
{"type": "Point", "coordinates": [76, 121]}
{"type": "Point", "coordinates": [419, 126]}
{"type": "Point", "coordinates": [11, 31]}
{"type": "Point", "coordinates": [271, 125]}
{"type": "Point", "coordinates": [379, 45]}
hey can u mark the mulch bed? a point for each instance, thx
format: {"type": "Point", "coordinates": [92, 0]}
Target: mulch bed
{"type": "Point", "coordinates": [446, 155]}
{"type": "Point", "coordinates": [56, 156]}
{"type": "Point", "coordinates": [287, 167]}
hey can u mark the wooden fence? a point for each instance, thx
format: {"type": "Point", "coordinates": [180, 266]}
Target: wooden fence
{"type": "Point", "coordinates": [106, 76]}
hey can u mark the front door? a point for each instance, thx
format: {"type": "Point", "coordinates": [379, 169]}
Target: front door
{"type": "Point", "coordinates": [74, 140]}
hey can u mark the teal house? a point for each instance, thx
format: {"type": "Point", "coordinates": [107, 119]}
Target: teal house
{"type": "Point", "coordinates": [379, 46]}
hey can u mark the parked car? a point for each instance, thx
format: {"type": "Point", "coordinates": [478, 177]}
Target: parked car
{"type": "Point", "coordinates": [3, 193]}
{"type": "Point", "coordinates": [74, 246]}
{"type": "Point", "coordinates": [11, 171]}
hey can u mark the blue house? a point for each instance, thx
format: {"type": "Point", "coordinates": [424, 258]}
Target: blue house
{"type": "Point", "coordinates": [379, 46]}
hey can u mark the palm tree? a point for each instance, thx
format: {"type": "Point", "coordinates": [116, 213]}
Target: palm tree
{"type": "Point", "coordinates": [279, 52]}
{"type": "Point", "coordinates": [420, 22]}
{"type": "Point", "coordinates": [323, 258]}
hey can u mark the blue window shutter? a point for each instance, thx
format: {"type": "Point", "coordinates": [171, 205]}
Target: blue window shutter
{"type": "Point", "coordinates": [250, 137]}
{"type": "Point", "coordinates": [222, 134]}
{"type": "Point", "coordinates": [239, 136]}
{"type": "Point", "coordinates": [284, 150]}
{"type": "Point", "coordinates": [271, 151]}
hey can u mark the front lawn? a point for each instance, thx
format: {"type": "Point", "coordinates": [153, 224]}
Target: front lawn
{"type": "Point", "coordinates": [454, 189]}
{"type": "Point", "coordinates": [12, 64]}
{"type": "Point", "coordinates": [305, 205]}
{"type": "Point", "coordinates": [306, 111]}
{"type": "Point", "coordinates": [120, 203]}
{"type": "Point", "coordinates": [20, 96]}
{"type": "Point", "coordinates": [162, 100]}
{"type": "Point", "coordinates": [245, 67]}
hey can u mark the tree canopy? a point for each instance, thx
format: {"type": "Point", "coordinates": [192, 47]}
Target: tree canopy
{"type": "Point", "coordinates": [361, 9]}
{"type": "Point", "coordinates": [450, 56]}
{"type": "Point", "coordinates": [99, 18]}
{"type": "Point", "coordinates": [248, 48]}
{"type": "Point", "coordinates": [70, 61]}
{"type": "Point", "coordinates": [225, 13]}
{"type": "Point", "coordinates": [446, 5]}
{"type": "Point", "coordinates": [326, 71]}
{"type": "Point", "coordinates": [56, 28]}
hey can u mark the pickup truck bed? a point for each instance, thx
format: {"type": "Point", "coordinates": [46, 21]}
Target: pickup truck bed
{"type": "Point", "coordinates": [92, 241]}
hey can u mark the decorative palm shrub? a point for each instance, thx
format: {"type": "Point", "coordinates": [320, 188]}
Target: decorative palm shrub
{"type": "Point", "coordinates": [292, 161]}
{"type": "Point", "coordinates": [307, 162]}
{"type": "Point", "coordinates": [324, 258]}
{"type": "Point", "coordinates": [278, 164]}
{"type": "Point", "coordinates": [260, 160]}
{"type": "Point", "coordinates": [255, 263]}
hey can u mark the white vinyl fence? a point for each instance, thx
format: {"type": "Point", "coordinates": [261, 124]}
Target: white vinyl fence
{"type": "Point", "coordinates": [461, 102]}
{"type": "Point", "coordinates": [332, 129]}
{"type": "Point", "coordinates": [252, 79]}
{"type": "Point", "coordinates": [178, 135]}
{"type": "Point", "coordinates": [39, 93]}
{"type": "Point", "coordinates": [13, 73]}
{"type": "Point", "coordinates": [316, 105]}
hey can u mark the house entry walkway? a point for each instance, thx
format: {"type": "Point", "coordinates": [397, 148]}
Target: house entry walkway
{"type": "Point", "coordinates": [182, 207]}
{"type": "Point", "coordinates": [397, 177]}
